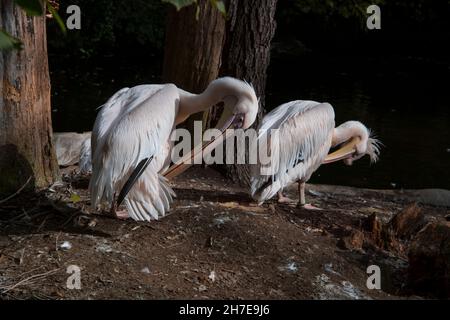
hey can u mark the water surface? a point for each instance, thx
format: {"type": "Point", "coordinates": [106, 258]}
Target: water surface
{"type": "Point", "coordinates": [404, 100]}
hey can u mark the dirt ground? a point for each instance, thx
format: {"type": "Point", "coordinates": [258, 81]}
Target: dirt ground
{"type": "Point", "coordinates": [215, 243]}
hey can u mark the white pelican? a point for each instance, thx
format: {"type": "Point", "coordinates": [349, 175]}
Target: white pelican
{"type": "Point", "coordinates": [306, 134]}
{"type": "Point", "coordinates": [131, 137]}
{"type": "Point", "coordinates": [85, 162]}
{"type": "Point", "coordinates": [72, 148]}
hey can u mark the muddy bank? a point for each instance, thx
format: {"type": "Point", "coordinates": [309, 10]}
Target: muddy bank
{"type": "Point", "coordinates": [432, 197]}
{"type": "Point", "coordinates": [215, 243]}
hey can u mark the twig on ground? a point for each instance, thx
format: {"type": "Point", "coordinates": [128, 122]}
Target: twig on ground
{"type": "Point", "coordinates": [56, 246]}
{"type": "Point", "coordinates": [17, 192]}
{"type": "Point", "coordinates": [42, 224]}
{"type": "Point", "coordinates": [72, 216]}
{"type": "Point", "coordinates": [28, 280]}
{"type": "Point", "coordinates": [21, 256]}
{"type": "Point", "coordinates": [30, 271]}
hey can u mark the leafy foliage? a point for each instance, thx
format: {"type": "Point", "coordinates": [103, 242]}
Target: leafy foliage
{"type": "Point", "coordinates": [332, 8]}
{"type": "Point", "coordinates": [179, 4]}
{"type": "Point", "coordinates": [220, 6]}
{"type": "Point", "coordinates": [106, 22]}
{"type": "Point", "coordinates": [56, 16]}
{"type": "Point", "coordinates": [74, 198]}
{"type": "Point", "coordinates": [31, 7]}
{"type": "Point", "coordinates": [111, 24]}
{"type": "Point", "coordinates": [7, 42]}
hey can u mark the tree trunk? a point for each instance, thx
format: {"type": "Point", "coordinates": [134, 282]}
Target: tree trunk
{"type": "Point", "coordinates": [198, 51]}
{"type": "Point", "coordinates": [193, 46]}
{"type": "Point", "coordinates": [26, 148]}
{"type": "Point", "coordinates": [193, 49]}
{"type": "Point", "coordinates": [249, 33]}
{"type": "Point", "coordinates": [246, 55]}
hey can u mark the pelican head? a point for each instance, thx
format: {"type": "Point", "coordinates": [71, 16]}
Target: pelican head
{"type": "Point", "coordinates": [356, 140]}
{"type": "Point", "coordinates": [240, 102]}
{"type": "Point", "coordinates": [239, 112]}
{"type": "Point", "coordinates": [368, 146]}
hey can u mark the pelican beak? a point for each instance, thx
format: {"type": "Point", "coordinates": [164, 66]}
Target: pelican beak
{"type": "Point", "coordinates": [196, 154]}
{"type": "Point", "coordinates": [345, 152]}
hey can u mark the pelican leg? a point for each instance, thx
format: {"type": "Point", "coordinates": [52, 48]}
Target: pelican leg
{"type": "Point", "coordinates": [301, 193]}
{"type": "Point", "coordinates": [302, 203]}
{"type": "Point", "coordinates": [283, 199]}
{"type": "Point", "coordinates": [119, 214]}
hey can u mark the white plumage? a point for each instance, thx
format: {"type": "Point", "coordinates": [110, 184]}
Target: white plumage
{"type": "Point", "coordinates": [305, 134]}
{"type": "Point", "coordinates": [126, 132]}
{"type": "Point", "coordinates": [136, 124]}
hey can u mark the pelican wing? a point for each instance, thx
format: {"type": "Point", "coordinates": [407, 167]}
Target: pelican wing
{"type": "Point", "coordinates": [304, 130]}
{"type": "Point", "coordinates": [120, 103]}
{"type": "Point", "coordinates": [139, 131]}
{"type": "Point", "coordinates": [108, 113]}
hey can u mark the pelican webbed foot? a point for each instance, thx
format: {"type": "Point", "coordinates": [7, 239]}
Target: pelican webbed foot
{"type": "Point", "coordinates": [122, 214]}
{"type": "Point", "coordinates": [284, 199]}
{"type": "Point", "coordinates": [119, 214]}
{"type": "Point", "coordinates": [308, 206]}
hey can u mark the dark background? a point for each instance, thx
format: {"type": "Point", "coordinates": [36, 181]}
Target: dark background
{"type": "Point", "coordinates": [395, 80]}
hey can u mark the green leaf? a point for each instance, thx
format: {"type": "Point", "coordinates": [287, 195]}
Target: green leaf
{"type": "Point", "coordinates": [197, 13]}
{"type": "Point", "coordinates": [55, 15]}
{"type": "Point", "coordinates": [31, 7]}
{"type": "Point", "coordinates": [8, 42]}
{"type": "Point", "coordinates": [180, 3]}
{"type": "Point", "coordinates": [220, 6]}
{"type": "Point", "coordinates": [74, 198]}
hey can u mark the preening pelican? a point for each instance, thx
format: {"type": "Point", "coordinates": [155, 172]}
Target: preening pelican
{"type": "Point", "coordinates": [131, 144]}
{"type": "Point", "coordinates": [306, 133]}
{"type": "Point", "coordinates": [72, 148]}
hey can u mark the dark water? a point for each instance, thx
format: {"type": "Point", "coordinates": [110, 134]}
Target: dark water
{"type": "Point", "coordinates": [405, 101]}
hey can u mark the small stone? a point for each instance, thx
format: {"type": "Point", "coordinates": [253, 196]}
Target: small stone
{"type": "Point", "coordinates": [104, 248]}
{"type": "Point", "coordinates": [212, 276]}
{"type": "Point", "coordinates": [290, 267]}
{"type": "Point", "coordinates": [145, 270]}
{"type": "Point", "coordinates": [66, 245]}
{"type": "Point", "coordinates": [92, 223]}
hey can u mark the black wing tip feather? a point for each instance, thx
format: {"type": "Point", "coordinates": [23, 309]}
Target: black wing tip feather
{"type": "Point", "coordinates": [137, 172]}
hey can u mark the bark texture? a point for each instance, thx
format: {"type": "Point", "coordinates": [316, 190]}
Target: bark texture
{"type": "Point", "coordinates": [246, 55]}
{"type": "Point", "coordinates": [26, 147]}
{"type": "Point", "coordinates": [249, 33]}
{"type": "Point", "coordinates": [193, 49]}
{"type": "Point", "coordinates": [198, 51]}
{"type": "Point", "coordinates": [193, 46]}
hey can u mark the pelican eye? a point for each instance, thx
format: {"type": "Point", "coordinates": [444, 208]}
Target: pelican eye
{"type": "Point", "coordinates": [239, 120]}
